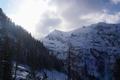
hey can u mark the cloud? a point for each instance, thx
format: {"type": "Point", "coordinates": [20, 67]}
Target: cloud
{"type": "Point", "coordinates": [101, 17]}
{"type": "Point", "coordinates": [27, 13]}
{"type": "Point", "coordinates": [72, 10]}
{"type": "Point", "coordinates": [47, 24]}
{"type": "Point", "coordinates": [115, 1]}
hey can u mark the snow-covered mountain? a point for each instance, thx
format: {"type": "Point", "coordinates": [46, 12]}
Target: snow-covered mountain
{"type": "Point", "coordinates": [96, 46]}
{"type": "Point", "coordinates": [101, 36]}
{"type": "Point", "coordinates": [56, 42]}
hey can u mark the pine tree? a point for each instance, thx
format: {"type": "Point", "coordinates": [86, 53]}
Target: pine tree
{"type": "Point", "coordinates": [116, 70]}
{"type": "Point", "coordinates": [69, 63]}
{"type": "Point", "coordinates": [100, 61]}
{"type": "Point", "coordinates": [7, 59]}
{"type": "Point", "coordinates": [16, 55]}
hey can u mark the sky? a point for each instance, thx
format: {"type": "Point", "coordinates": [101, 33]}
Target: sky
{"type": "Point", "coordinates": [40, 17]}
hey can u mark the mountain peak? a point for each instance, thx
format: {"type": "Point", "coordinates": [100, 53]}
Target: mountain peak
{"type": "Point", "coordinates": [2, 13]}
{"type": "Point", "coordinates": [0, 9]}
{"type": "Point", "coordinates": [57, 30]}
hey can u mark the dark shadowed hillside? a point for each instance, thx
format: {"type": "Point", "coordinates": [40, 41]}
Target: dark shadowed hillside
{"type": "Point", "coordinates": [17, 46]}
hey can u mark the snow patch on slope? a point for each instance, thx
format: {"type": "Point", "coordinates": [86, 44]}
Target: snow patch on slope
{"type": "Point", "coordinates": [23, 71]}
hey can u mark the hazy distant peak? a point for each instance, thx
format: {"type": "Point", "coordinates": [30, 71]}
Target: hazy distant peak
{"type": "Point", "coordinates": [2, 14]}
{"type": "Point", "coordinates": [0, 9]}
{"type": "Point", "coordinates": [57, 31]}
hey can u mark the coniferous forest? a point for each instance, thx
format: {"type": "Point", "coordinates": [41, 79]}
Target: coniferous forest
{"type": "Point", "coordinates": [17, 47]}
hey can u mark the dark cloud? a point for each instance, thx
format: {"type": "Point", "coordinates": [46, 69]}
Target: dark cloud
{"type": "Point", "coordinates": [46, 24]}
{"type": "Point", "coordinates": [71, 10]}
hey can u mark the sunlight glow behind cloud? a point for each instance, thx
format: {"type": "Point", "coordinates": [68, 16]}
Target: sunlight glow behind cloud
{"type": "Point", "coordinates": [29, 13]}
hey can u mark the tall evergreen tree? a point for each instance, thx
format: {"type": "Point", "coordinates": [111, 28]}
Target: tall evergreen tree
{"type": "Point", "coordinates": [7, 59]}
{"type": "Point", "coordinates": [16, 55]}
{"type": "Point", "coordinates": [116, 70]}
